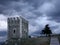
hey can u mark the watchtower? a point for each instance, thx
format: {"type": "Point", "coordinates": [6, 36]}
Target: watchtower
{"type": "Point", "coordinates": [17, 27]}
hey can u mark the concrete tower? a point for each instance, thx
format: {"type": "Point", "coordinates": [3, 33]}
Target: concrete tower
{"type": "Point", "coordinates": [17, 28]}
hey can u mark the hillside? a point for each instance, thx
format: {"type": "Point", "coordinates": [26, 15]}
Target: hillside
{"type": "Point", "coordinates": [36, 41]}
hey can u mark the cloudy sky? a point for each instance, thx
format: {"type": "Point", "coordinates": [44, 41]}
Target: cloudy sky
{"type": "Point", "coordinates": [37, 12]}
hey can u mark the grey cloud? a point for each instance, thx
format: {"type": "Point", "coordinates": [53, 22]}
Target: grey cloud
{"type": "Point", "coordinates": [18, 6]}
{"type": "Point", "coordinates": [55, 16]}
{"type": "Point", "coordinates": [8, 4]}
{"type": "Point", "coordinates": [55, 13]}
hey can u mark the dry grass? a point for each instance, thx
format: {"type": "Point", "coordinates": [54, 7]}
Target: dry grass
{"type": "Point", "coordinates": [31, 41]}
{"type": "Point", "coordinates": [36, 41]}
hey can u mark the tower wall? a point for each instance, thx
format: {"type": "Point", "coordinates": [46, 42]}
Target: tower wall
{"type": "Point", "coordinates": [13, 27]}
{"type": "Point", "coordinates": [24, 28]}
{"type": "Point", "coordinates": [17, 27]}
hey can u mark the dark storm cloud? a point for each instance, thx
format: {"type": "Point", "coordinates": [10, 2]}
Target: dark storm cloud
{"type": "Point", "coordinates": [55, 12]}
{"type": "Point", "coordinates": [35, 3]}
{"type": "Point", "coordinates": [3, 33]}
{"type": "Point", "coordinates": [6, 1]}
{"type": "Point", "coordinates": [6, 5]}
{"type": "Point", "coordinates": [55, 16]}
{"type": "Point", "coordinates": [16, 5]}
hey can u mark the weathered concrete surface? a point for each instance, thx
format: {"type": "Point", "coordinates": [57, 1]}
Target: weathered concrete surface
{"type": "Point", "coordinates": [54, 41]}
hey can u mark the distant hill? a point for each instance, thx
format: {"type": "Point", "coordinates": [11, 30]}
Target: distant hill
{"type": "Point", "coordinates": [36, 33]}
{"type": "Point", "coordinates": [3, 33]}
{"type": "Point", "coordinates": [2, 43]}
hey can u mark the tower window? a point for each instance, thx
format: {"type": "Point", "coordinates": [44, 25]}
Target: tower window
{"type": "Point", "coordinates": [14, 31]}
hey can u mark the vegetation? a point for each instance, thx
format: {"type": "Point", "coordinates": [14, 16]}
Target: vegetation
{"type": "Point", "coordinates": [47, 30]}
